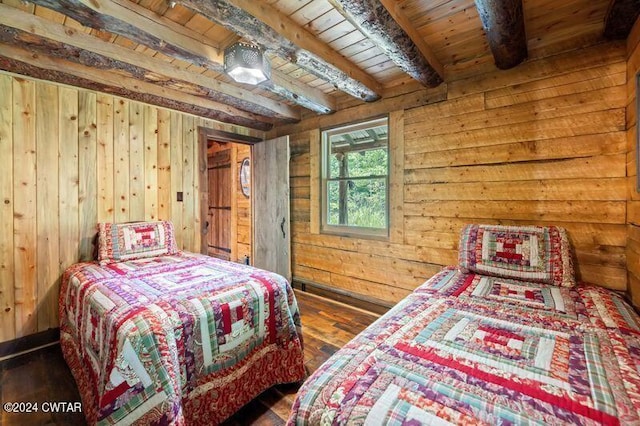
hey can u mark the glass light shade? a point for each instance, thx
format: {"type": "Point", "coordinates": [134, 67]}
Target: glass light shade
{"type": "Point", "coordinates": [246, 64]}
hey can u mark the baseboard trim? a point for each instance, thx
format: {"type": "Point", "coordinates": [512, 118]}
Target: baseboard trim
{"type": "Point", "coordinates": [370, 304]}
{"type": "Point", "coordinates": [29, 343]}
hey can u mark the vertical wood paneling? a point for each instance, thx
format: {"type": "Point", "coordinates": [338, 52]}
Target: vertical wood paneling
{"type": "Point", "coordinates": [7, 311]}
{"type": "Point", "coordinates": [150, 163]}
{"type": "Point", "coordinates": [87, 165]}
{"type": "Point", "coordinates": [233, 243]}
{"type": "Point", "coordinates": [244, 221]}
{"type": "Point", "coordinates": [189, 143]}
{"type": "Point", "coordinates": [65, 164]}
{"type": "Point", "coordinates": [177, 162]}
{"type": "Point", "coordinates": [121, 158]}
{"type": "Point", "coordinates": [105, 158]}
{"type": "Point", "coordinates": [69, 178]}
{"type": "Point", "coordinates": [48, 136]}
{"type": "Point", "coordinates": [200, 186]}
{"type": "Point", "coordinates": [136, 161]}
{"type": "Point", "coordinates": [24, 195]}
{"type": "Point", "coordinates": [164, 164]}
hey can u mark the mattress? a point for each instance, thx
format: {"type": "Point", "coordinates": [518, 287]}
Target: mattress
{"type": "Point", "coordinates": [465, 348]}
{"type": "Point", "coordinates": [176, 339]}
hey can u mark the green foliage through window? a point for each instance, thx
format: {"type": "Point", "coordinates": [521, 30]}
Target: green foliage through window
{"type": "Point", "coordinates": [355, 178]}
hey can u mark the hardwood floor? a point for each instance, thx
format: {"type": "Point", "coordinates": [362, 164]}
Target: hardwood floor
{"type": "Point", "coordinates": [43, 376]}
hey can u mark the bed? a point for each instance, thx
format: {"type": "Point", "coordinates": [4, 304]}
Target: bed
{"type": "Point", "coordinates": [153, 335]}
{"type": "Point", "coordinates": [505, 337]}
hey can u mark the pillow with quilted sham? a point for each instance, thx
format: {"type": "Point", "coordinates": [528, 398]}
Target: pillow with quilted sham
{"type": "Point", "coordinates": [119, 242]}
{"type": "Point", "coordinates": [530, 253]}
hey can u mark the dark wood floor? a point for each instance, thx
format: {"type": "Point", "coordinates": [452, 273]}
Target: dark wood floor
{"type": "Point", "coordinates": [43, 376]}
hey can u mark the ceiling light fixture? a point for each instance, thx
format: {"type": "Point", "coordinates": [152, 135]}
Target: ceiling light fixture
{"type": "Point", "coordinates": [246, 63]}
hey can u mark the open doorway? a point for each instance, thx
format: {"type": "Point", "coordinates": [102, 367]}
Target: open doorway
{"type": "Point", "coordinates": [229, 201]}
{"type": "Point", "coordinates": [259, 228]}
{"type": "Point", "coordinates": [232, 237]}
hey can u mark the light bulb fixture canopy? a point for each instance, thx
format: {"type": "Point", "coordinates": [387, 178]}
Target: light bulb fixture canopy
{"type": "Point", "coordinates": [246, 63]}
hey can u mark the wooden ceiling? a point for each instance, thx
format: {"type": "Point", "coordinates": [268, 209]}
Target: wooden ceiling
{"type": "Point", "coordinates": [169, 53]}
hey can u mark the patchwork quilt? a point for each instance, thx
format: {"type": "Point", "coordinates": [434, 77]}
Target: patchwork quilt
{"type": "Point", "coordinates": [473, 349]}
{"type": "Point", "coordinates": [176, 339]}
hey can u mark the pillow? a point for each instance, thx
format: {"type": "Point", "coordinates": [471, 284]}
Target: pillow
{"type": "Point", "coordinates": [530, 253]}
{"type": "Point", "coordinates": [119, 242]}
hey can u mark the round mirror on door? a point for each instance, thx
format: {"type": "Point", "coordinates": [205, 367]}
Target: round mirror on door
{"type": "Point", "coordinates": [245, 177]}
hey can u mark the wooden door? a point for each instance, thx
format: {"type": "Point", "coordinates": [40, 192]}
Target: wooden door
{"type": "Point", "coordinates": [270, 200]}
{"type": "Point", "coordinates": [219, 215]}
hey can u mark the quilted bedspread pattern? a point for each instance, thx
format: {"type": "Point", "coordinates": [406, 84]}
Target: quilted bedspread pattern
{"type": "Point", "coordinates": [471, 349]}
{"type": "Point", "coordinates": [176, 339]}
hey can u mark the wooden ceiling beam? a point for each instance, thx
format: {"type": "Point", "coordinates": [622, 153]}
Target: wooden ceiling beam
{"type": "Point", "coordinates": [388, 27]}
{"type": "Point", "coordinates": [264, 25]}
{"type": "Point", "coordinates": [503, 22]}
{"type": "Point", "coordinates": [130, 20]}
{"type": "Point", "coordinates": [47, 37]}
{"type": "Point", "coordinates": [22, 61]}
{"type": "Point", "coordinates": [620, 17]}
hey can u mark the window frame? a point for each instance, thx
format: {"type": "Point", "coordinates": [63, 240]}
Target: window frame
{"type": "Point", "coordinates": [346, 230]}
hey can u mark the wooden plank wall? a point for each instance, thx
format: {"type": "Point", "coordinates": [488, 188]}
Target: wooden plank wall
{"type": "Point", "coordinates": [633, 205]}
{"type": "Point", "coordinates": [243, 207]}
{"type": "Point", "coordinates": [68, 159]}
{"type": "Point", "coordinates": [543, 143]}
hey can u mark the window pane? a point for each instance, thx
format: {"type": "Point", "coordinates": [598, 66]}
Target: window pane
{"type": "Point", "coordinates": [359, 203]}
{"type": "Point", "coordinates": [361, 152]}
{"type": "Point", "coordinates": [372, 162]}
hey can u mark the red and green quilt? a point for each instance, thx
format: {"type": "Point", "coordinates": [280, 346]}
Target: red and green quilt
{"type": "Point", "coordinates": [176, 339]}
{"type": "Point", "coordinates": [473, 349]}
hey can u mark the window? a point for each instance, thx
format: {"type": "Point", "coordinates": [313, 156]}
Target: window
{"type": "Point", "coordinates": [355, 179]}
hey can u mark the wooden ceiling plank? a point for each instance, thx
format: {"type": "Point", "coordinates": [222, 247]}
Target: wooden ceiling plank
{"type": "Point", "coordinates": [288, 7]}
{"type": "Point", "coordinates": [324, 22]}
{"type": "Point", "coordinates": [178, 14]}
{"type": "Point", "coordinates": [24, 62]}
{"type": "Point", "coordinates": [265, 25]}
{"type": "Point", "coordinates": [373, 19]}
{"type": "Point", "coordinates": [400, 17]}
{"type": "Point", "coordinates": [336, 32]}
{"type": "Point", "coordinates": [425, 14]}
{"type": "Point", "coordinates": [503, 22]}
{"type": "Point", "coordinates": [311, 12]}
{"type": "Point", "coordinates": [127, 19]}
{"type": "Point", "coordinates": [199, 24]}
{"type": "Point", "coordinates": [219, 91]}
{"type": "Point", "coordinates": [621, 16]}
{"type": "Point", "coordinates": [348, 41]}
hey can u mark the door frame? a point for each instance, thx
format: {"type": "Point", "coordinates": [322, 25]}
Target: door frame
{"type": "Point", "coordinates": [204, 134]}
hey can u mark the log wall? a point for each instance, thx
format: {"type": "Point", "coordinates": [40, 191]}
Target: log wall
{"type": "Point", "coordinates": [71, 158]}
{"type": "Point", "coordinates": [542, 143]}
